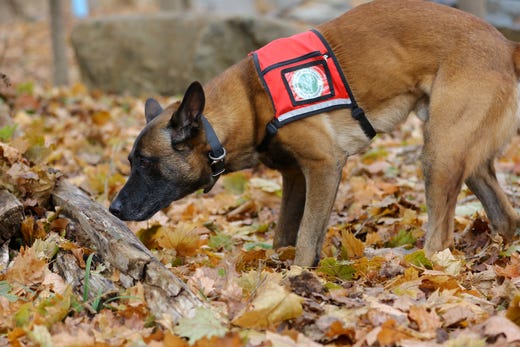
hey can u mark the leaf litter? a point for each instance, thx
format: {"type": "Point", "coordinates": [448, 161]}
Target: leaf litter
{"type": "Point", "coordinates": [374, 285]}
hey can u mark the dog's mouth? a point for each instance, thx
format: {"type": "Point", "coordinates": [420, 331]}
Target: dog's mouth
{"type": "Point", "coordinates": [210, 185]}
{"type": "Point", "coordinates": [136, 213]}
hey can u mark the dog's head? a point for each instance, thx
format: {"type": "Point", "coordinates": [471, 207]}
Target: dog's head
{"type": "Point", "coordinates": [169, 158]}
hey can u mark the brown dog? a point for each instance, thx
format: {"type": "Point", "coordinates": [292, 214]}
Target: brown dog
{"type": "Point", "coordinates": [398, 56]}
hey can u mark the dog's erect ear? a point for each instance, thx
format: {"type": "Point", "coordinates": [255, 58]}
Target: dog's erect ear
{"type": "Point", "coordinates": [152, 109]}
{"type": "Point", "coordinates": [189, 112]}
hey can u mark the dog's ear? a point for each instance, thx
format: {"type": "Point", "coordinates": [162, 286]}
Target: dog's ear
{"type": "Point", "coordinates": [189, 112]}
{"type": "Point", "coordinates": [152, 109]}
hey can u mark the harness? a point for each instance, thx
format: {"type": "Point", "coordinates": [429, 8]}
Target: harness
{"type": "Point", "coordinates": [302, 77]}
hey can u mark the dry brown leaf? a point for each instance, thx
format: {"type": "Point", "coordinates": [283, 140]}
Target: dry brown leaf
{"type": "Point", "coordinates": [352, 246]}
{"type": "Point", "coordinates": [392, 333]}
{"type": "Point", "coordinates": [272, 305]}
{"type": "Point", "coordinates": [184, 239]}
{"type": "Point", "coordinates": [498, 325]}
{"type": "Point", "coordinates": [27, 269]}
{"type": "Point", "coordinates": [512, 269]}
{"type": "Point", "coordinates": [428, 322]}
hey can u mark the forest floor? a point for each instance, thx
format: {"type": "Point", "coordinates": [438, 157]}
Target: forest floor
{"type": "Point", "coordinates": [373, 287]}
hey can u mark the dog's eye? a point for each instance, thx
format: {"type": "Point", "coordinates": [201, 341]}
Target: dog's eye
{"type": "Point", "coordinates": [146, 162]}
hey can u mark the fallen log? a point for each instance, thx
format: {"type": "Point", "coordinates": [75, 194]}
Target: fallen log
{"type": "Point", "coordinates": [115, 242]}
{"type": "Point", "coordinates": [11, 215]}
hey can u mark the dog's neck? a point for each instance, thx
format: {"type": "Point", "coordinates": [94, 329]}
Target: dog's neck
{"type": "Point", "coordinates": [236, 108]}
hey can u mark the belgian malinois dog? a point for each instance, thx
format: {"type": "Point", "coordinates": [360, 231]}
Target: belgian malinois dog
{"type": "Point", "coordinates": [455, 70]}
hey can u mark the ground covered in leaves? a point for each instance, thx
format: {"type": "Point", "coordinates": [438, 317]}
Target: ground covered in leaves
{"type": "Point", "coordinates": [373, 287]}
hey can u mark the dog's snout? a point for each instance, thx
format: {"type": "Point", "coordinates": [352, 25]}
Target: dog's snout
{"type": "Point", "coordinates": [115, 208]}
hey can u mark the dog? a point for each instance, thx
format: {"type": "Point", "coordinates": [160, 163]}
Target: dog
{"type": "Point", "coordinates": [455, 70]}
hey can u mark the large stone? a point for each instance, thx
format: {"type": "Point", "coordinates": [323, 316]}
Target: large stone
{"type": "Point", "coordinates": [163, 53]}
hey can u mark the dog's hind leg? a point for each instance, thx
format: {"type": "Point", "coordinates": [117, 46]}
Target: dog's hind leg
{"type": "Point", "coordinates": [469, 123]}
{"type": "Point", "coordinates": [483, 183]}
{"type": "Point", "coordinates": [443, 173]}
{"type": "Point", "coordinates": [291, 211]}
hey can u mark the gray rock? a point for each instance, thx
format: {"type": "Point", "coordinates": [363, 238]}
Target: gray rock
{"type": "Point", "coordinates": [317, 12]}
{"type": "Point", "coordinates": [163, 53]}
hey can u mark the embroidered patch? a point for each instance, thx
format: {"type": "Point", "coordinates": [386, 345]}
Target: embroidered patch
{"type": "Point", "coordinates": [308, 83]}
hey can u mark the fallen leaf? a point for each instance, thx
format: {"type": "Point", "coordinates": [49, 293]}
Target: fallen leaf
{"type": "Point", "coordinates": [27, 269]}
{"type": "Point", "coordinates": [392, 333]}
{"type": "Point", "coordinates": [498, 325]}
{"type": "Point", "coordinates": [445, 261]}
{"type": "Point", "coordinates": [272, 305]}
{"type": "Point", "coordinates": [204, 324]}
{"type": "Point", "coordinates": [184, 238]}
{"type": "Point", "coordinates": [352, 246]}
{"type": "Point", "coordinates": [428, 322]}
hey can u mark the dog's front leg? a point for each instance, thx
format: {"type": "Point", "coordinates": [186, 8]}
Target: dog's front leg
{"type": "Point", "coordinates": [322, 180]}
{"type": "Point", "coordinates": [291, 211]}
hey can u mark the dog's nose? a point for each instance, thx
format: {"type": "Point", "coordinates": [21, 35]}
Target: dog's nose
{"type": "Point", "coordinates": [115, 208]}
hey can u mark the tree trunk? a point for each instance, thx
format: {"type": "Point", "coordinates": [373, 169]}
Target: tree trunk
{"type": "Point", "coordinates": [476, 7]}
{"type": "Point", "coordinates": [59, 51]}
{"type": "Point", "coordinates": [111, 238]}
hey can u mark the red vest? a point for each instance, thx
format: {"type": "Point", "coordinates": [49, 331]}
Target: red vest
{"type": "Point", "coordinates": [302, 77]}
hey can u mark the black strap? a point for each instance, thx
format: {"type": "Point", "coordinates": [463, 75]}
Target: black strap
{"type": "Point", "coordinates": [270, 131]}
{"type": "Point", "coordinates": [359, 115]}
{"type": "Point", "coordinates": [217, 154]}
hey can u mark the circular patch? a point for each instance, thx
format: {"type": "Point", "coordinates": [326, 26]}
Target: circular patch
{"type": "Point", "coordinates": [307, 83]}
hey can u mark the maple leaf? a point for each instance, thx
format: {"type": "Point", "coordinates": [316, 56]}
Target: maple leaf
{"type": "Point", "coordinates": [204, 280]}
{"type": "Point", "coordinates": [272, 304]}
{"type": "Point", "coordinates": [447, 262]}
{"type": "Point", "coordinates": [419, 259]}
{"type": "Point", "coordinates": [45, 310]}
{"type": "Point", "coordinates": [27, 268]}
{"type": "Point", "coordinates": [184, 239]}
{"type": "Point", "coordinates": [203, 324]}
{"type": "Point", "coordinates": [402, 238]}
{"type": "Point", "coordinates": [512, 269]}
{"type": "Point", "coordinates": [428, 322]}
{"type": "Point", "coordinates": [334, 268]}
{"type": "Point", "coordinates": [352, 247]}
{"type": "Point", "coordinates": [392, 333]}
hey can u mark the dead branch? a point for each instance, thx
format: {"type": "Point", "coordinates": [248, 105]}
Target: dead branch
{"type": "Point", "coordinates": [164, 292]}
{"type": "Point", "coordinates": [11, 215]}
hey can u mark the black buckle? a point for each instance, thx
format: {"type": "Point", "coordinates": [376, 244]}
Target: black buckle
{"type": "Point", "coordinates": [358, 113]}
{"type": "Point", "coordinates": [217, 163]}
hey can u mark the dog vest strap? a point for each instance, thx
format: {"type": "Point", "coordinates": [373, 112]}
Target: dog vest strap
{"type": "Point", "coordinates": [270, 131]}
{"type": "Point", "coordinates": [302, 77]}
{"type": "Point", "coordinates": [217, 154]}
{"type": "Point", "coordinates": [359, 115]}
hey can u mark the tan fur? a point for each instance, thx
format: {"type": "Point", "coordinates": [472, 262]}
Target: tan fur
{"type": "Point", "coordinates": [398, 55]}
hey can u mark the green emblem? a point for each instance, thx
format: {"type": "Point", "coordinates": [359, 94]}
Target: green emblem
{"type": "Point", "coordinates": [307, 83]}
